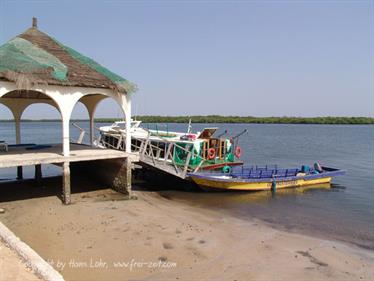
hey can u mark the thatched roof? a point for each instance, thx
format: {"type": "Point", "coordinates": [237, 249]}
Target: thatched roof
{"type": "Point", "coordinates": [34, 57]}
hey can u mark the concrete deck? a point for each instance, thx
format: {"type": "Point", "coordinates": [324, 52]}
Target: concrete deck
{"type": "Point", "coordinates": [20, 156]}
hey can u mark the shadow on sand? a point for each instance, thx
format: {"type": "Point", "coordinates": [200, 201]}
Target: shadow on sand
{"type": "Point", "coordinates": [48, 186]}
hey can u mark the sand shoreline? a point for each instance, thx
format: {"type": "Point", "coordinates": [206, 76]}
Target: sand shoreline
{"type": "Point", "coordinates": [188, 199]}
{"type": "Point", "coordinates": [103, 237]}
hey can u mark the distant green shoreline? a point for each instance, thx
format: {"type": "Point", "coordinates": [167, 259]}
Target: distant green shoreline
{"type": "Point", "coordinates": [232, 119]}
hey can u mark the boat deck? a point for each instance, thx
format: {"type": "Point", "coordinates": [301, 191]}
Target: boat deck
{"type": "Point", "coordinates": [20, 156]}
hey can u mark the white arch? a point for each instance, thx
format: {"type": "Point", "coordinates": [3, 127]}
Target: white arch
{"type": "Point", "coordinates": [7, 108]}
{"type": "Point", "coordinates": [65, 99]}
{"type": "Point", "coordinates": [92, 97]}
{"type": "Point", "coordinates": [91, 102]}
{"type": "Point", "coordinates": [18, 105]}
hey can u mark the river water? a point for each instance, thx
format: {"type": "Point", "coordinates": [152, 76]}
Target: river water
{"type": "Point", "coordinates": [345, 211]}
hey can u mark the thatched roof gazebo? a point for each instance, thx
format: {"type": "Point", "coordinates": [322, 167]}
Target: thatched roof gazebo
{"type": "Point", "coordinates": [36, 68]}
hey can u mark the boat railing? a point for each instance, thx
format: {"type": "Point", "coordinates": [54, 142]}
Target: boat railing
{"type": "Point", "coordinates": [158, 153]}
{"type": "Point", "coordinates": [81, 134]}
{"type": "Point", "coordinates": [162, 155]}
{"type": "Point", "coordinates": [113, 141]}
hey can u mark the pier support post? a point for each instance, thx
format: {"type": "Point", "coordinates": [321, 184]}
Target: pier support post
{"type": "Point", "coordinates": [66, 183]}
{"type": "Point", "coordinates": [38, 173]}
{"type": "Point", "coordinates": [122, 179]}
{"type": "Point", "coordinates": [19, 173]}
{"type": "Point", "coordinates": [114, 173]}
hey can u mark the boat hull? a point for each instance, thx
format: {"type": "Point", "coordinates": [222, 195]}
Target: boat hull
{"type": "Point", "coordinates": [256, 186]}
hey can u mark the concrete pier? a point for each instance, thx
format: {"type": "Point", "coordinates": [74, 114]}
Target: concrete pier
{"type": "Point", "coordinates": [111, 167]}
{"type": "Point", "coordinates": [115, 173]}
{"type": "Point", "coordinates": [122, 179]}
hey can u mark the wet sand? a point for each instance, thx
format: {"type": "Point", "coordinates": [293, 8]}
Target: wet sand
{"type": "Point", "coordinates": [101, 236]}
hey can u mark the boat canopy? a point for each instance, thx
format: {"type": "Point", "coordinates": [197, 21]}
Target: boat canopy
{"type": "Point", "coordinates": [207, 133]}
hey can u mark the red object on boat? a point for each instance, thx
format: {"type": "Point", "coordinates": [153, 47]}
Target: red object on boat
{"type": "Point", "coordinates": [211, 153]}
{"type": "Point", "coordinates": [238, 152]}
{"type": "Point", "coordinates": [191, 136]}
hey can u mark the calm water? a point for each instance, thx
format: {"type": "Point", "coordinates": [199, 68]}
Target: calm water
{"type": "Point", "coordinates": [345, 212]}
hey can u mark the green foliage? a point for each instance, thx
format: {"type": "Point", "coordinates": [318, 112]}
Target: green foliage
{"type": "Point", "coordinates": [250, 119]}
{"type": "Point", "coordinates": [234, 119]}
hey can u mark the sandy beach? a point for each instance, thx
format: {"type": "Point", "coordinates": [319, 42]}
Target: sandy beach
{"type": "Point", "coordinates": [101, 236]}
{"type": "Point", "coordinates": [12, 267]}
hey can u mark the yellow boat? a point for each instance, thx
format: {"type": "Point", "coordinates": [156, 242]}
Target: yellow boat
{"type": "Point", "coordinates": [265, 178]}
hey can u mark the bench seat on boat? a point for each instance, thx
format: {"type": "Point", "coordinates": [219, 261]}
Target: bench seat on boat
{"type": "Point", "coordinates": [291, 172]}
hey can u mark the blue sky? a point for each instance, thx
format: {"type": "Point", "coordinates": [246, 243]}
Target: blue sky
{"type": "Point", "coordinates": [260, 58]}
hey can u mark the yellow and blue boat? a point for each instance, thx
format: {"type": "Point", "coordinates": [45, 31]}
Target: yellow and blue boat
{"type": "Point", "coordinates": [268, 177]}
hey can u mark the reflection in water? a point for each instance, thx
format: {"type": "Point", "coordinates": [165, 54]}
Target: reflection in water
{"type": "Point", "coordinates": [233, 198]}
{"type": "Point", "coordinates": [266, 196]}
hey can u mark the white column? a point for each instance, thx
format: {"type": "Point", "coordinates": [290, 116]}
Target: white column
{"type": "Point", "coordinates": [66, 100]}
{"type": "Point", "coordinates": [17, 110]}
{"type": "Point", "coordinates": [92, 129]}
{"type": "Point", "coordinates": [65, 135]}
{"type": "Point", "coordinates": [128, 122]}
{"type": "Point", "coordinates": [18, 130]}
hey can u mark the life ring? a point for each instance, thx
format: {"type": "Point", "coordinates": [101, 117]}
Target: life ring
{"type": "Point", "coordinates": [211, 153]}
{"type": "Point", "coordinates": [238, 152]}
